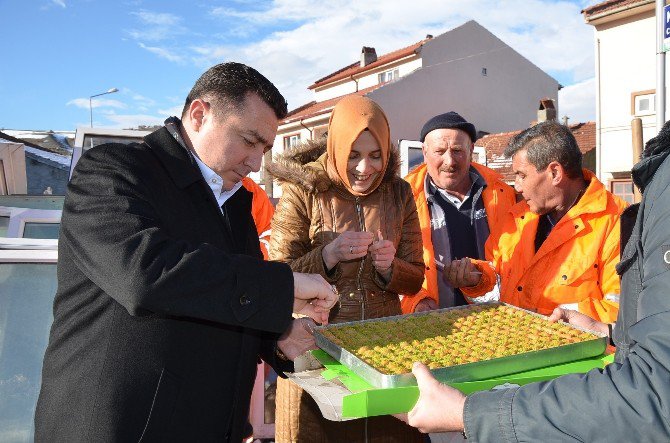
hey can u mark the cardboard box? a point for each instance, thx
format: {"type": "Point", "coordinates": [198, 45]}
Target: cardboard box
{"type": "Point", "coordinates": [342, 395]}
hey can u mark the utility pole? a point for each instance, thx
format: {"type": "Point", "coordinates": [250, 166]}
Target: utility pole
{"type": "Point", "coordinates": [660, 64]}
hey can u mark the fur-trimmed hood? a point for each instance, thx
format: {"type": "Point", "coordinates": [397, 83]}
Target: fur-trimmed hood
{"type": "Point", "coordinates": [305, 165]}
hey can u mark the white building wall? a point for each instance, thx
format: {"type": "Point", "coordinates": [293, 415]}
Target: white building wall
{"type": "Point", "coordinates": [626, 51]}
{"type": "Point", "coordinates": [371, 78]}
{"type": "Point", "coordinates": [292, 129]}
{"type": "Point", "coordinates": [505, 99]}
{"type": "Point", "coordinates": [326, 93]}
{"type": "Point", "coordinates": [404, 67]}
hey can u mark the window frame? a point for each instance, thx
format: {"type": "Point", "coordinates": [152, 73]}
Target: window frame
{"type": "Point", "coordinates": [288, 138]}
{"type": "Point", "coordinates": [388, 75]}
{"type": "Point", "coordinates": [20, 216]}
{"type": "Point", "coordinates": [634, 100]}
{"type": "Point", "coordinates": [78, 150]}
{"type": "Point", "coordinates": [404, 146]}
{"type": "Point", "coordinates": [628, 181]}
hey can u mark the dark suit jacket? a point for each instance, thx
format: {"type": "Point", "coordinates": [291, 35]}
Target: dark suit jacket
{"type": "Point", "coordinates": [161, 312]}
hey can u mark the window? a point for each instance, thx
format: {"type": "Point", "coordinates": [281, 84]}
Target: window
{"type": "Point", "coordinates": [411, 155]}
{"type": "Point", "coordinates": [34, 223]}
{"type": "Point", "coordinates": [27, 288]}
{"type": "Point", "coordinates": [4, 223]}
{"type": "Point", "coordinates": [388, 76]}
{"type": "Point", "coordinates": [41, 230]}
{"type": "Point", "coordinates": [86, 138]}
{"type": "Point", "coordinates": [479, 155]}
{"type": "Point", "coordinates": [624, 189]}
{"type": "Point", "coordinates": [291, 141]}
{"type": "Point", "coordinates": [643, 103]}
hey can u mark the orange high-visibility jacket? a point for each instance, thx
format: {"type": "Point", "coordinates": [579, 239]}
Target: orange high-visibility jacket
{"type": "Point", "coordinates": [574, 267]}
{"type": "Point", "coordinates": [498, 198]}
{"type": "Point", "coordinates": [262, 211]}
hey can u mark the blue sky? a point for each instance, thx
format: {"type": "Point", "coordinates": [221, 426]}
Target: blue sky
{"type": "Point", "coordinates": [57, 53]}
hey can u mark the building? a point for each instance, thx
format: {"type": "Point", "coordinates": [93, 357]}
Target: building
{"type": "Point", "coordinates": [45, 166]}
{"type": "Point", "coordinates": [467, 69]}
{"type": "Point", "coordinates": [625, 53]}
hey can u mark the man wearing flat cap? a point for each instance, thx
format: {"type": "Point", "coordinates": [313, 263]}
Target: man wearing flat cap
{"type": "Point", "coordinates": [458, 202]}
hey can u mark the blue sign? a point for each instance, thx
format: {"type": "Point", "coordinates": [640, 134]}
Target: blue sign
{"type": "Point", "coordinates": [666, 28]}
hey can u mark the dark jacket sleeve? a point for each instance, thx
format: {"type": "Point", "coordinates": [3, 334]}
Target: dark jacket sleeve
{"type": "Point", "coordinates": [626, 401]}
{"type": "Point", "coordinates": [123, 243]}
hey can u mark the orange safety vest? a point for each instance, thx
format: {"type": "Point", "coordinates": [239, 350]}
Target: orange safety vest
{"type": "Point", "coordinates": [498, 198]}
{"type": "Point", "coordinates": [262, 211]}
{"type": "Point", "coordinates": [574, 267]}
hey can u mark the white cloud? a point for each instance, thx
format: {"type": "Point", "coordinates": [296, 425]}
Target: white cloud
{"type": "Point", "coordinates": [578, 101]}
{"type": "Point", "coordinates": [318, 38]}
{"type": "Point", "coordinates": [60, 3]}
{"type": "Point", "coordinates": [141, 100]}
{"type": "Point", "coordinates": [131, 120]}
{"type": "Point", "coordinates": [327, 36]}
{"type": "Point", "coordinates": [156, 26]}
{"type": "Point", "coordinates": [96, 103]}
{"type": "Point", "coordinates": [157, 18]}
{"type": "Point", "coordinates": [175, 110]}
{"type": "Point", "coordinates": [163, 53]}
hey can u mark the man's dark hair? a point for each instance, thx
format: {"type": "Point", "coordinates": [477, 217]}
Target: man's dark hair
{"type": "Point", "coordinates": [547, 142]}
{"type": "Point", "coordinates": [229, 83]}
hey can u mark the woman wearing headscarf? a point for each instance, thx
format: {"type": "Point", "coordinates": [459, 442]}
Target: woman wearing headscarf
{"type": "Point", "coordinates": [347, 215]}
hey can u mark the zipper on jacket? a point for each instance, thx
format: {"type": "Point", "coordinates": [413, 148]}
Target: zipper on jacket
{"type": "Point", "coordinates": [361, 225]}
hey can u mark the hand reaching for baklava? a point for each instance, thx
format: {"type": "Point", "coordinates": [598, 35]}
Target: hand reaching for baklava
{"type": "Point", "coordinates": [462, 273]}
{"type": "Point", "coordinates": [298, 338]}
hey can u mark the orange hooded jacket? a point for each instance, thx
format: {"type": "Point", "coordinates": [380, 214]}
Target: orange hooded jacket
{"type": "Point", "coordinates": [262, 211]}
{"type": "Point", "coordinates": [498, 198]}
{"type": "Point", "coordinates": [574, 267]}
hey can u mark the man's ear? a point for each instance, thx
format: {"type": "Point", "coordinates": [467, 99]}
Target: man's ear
{"type": "Point", "coordinates": [196, 113]}
{"type": "Point", "coordinates": [557, 172]}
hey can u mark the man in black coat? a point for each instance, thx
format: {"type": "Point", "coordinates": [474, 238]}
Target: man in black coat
{"type": "Point", "coordinates": [164, 303]}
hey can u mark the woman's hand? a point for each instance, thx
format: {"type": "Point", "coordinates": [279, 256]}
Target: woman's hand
{"type": "Point", "coordinates": [349, 245]}
{"type": "Point", "coordinates": [383, 253]}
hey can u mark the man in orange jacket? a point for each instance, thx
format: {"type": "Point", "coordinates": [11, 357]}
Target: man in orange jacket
{"type": "Point", "coordinates": [559, 246]}
{"type": "Point", "coordinates": [458, 202]}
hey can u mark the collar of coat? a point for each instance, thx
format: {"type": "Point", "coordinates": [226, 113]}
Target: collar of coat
{"type": "Point", "coordinates": [417, 178]}
{"type": "Point", "coordinates": [655, 152]}
{"type": "Point", "coordinates": [593, 201]}
{"type": "Point", "coordinates": [305, 166]}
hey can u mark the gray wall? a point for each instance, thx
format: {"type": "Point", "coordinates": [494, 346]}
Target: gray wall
{"type": "Point", "coordinates": [41, 173]}
{"type": "Point", "coordinates": [506, 99]}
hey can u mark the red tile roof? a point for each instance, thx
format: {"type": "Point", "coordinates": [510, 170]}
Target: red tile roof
{"type": "Point", "coordinates": [312, 109]}
{"type": "Point", "coordinates": [355, 68]}
{"type": "Point", "coordinates": [495, 144]}
{"type": "Point", "coordinates": [611, 5]}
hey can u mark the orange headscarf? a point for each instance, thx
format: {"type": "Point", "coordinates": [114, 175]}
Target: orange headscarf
{"type": "Point", "coordinates": [351, 116]}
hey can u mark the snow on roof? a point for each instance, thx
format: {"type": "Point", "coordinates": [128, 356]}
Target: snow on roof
{"type": "Point", "coordinates": [61, 160]}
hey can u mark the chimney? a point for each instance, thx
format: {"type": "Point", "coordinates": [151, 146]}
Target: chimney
{"type": "Point", "coordinates": [368, 55]}
{"type": "Point", "coordinates": [547, 110]}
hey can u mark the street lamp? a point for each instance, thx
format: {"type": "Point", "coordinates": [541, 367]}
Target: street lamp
{"type": "Point", "coordinates": [90, 101]}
